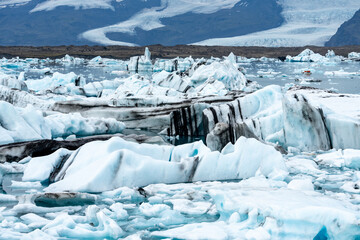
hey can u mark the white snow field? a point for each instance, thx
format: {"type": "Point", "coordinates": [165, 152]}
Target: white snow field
{"type": "Point", "coordinates": [306, 23]}
{"type": "Point", "coordinates": [6, 3]}
{"type": "Point", "coordinates": [81, 4]}
{"type": "Point", "coordinates": [280, 161]}
{"type": "Point", "coordinates": [149, 19]}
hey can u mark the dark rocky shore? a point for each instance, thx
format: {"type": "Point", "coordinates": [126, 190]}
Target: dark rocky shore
{"type": "Point", "coordinates": [158, 51]}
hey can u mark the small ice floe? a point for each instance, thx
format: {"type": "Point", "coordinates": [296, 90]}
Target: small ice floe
{"type": "Point", "coordinates": [307, 80]}
{"type": "Point", "coordinates": [341, 73]}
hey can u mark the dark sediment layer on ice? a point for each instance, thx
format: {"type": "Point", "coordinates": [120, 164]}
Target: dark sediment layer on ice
{"type": "Point", "coordinates": [145, 116]}
{"type": "Point", "coordinates": [299, 118]}
{"type": "Point", "coordinates": [15, 152]}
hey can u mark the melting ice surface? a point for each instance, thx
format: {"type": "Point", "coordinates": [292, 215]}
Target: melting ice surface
{"type": "Point", "coordinates": [249, 190]}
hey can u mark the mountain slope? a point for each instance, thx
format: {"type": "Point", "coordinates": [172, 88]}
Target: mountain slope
{"type": "Point", "coordinates": [272, 23]}
{"type": "Point", "coordinates": [348, 33]}
{"type": "Point", "coordinates": [190, 27]}
{"type": "Point", "coordinates": [62, 25]}
{"type": "Point", "coordinates": [307, 22]}
{"type": "Point", "coordinates": [171, 22]}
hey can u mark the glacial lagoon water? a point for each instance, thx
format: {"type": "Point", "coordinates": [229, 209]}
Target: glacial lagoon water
{"type": "Point", "coordinates": [342, 77]}
{"type": "Point", "coordinates": [154, 209]}
{"type": "Point", "coordinates": [281, 73]}
{"type": "Point", "coordinates": [317, 189]}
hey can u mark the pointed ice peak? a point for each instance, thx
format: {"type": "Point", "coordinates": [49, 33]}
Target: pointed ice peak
{"type": "Point", "coordinates": [232, 58]}
{"type": "Point", "coordinates": [21, 76]}
{"type": "Point", "coordinates": [306, 52]}
{"type": "Point", "coordinates": [147, 54]}
{"type": "Point", "coordinates": [330, 54]}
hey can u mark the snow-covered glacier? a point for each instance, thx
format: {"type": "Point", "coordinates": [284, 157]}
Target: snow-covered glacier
{"type": "Point", "coordinates": [150, 19]}
{"type": "Point", "coordinates": [306, 23]}
{"type": "Point", "coordinates": [170, 22]}
{"type": "Point", "coordinates": [183, 148]}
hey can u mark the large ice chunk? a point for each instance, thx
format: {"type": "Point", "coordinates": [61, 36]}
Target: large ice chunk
{"type": "Point", "coordinates": [225, 72]}
{"type": "Point", "coordinates": [118, 163]}
{"type": "Point", "coordinates": [69, 80]}
{"type": "Point", "coordinates": [34, 173]}
{"type": "Point", "coordinates": [309, 56]}
{"type": "Point", "coordinates": [27, 124]}
{"type": "Point", "coordinates": [12, 82]}
{"type": "Point", "coordinates": [141, 63]}
{"type": "Point", "coordinates": [253, 211]}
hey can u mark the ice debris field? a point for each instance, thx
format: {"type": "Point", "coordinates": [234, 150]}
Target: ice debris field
{"type": "Point", "coordinates": [184, 148]}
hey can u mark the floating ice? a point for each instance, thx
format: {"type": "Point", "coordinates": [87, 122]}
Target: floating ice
{"type": "Point", "coordinates": [69, 81]}
{"type": "Point", "coordinates": [49, 163]}
{"type": "Point", "coordinates": [131, 164]}
{"type": "Point", "coordinates": [141, 63]}
{"type": "Point", "coordinates": [12, 82]}
{"type": "Point", "coordinates": [300, 195]}
{"type": "Point", "coordinates": [309, 56]}
{"type": "Point", "coordinates": [354, 56]}
{"type": "Point", "coordinates": [307, 119]}
{"type": "Point", "coordinates": [342, 158]}
{"type": "Point", "coordinates": [225, 72]}
{"type": "Point", "coordinates": [26, 124]}
{"type": "Point", "coordinates": [341, 73]}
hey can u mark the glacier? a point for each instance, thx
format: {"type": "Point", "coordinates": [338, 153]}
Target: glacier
{"type": "Point", "coordinates": [188, 148]}
{"type": "Point", "coordinates": [131, 23]}
{"type": "Point", "coordinates": [306, 23]}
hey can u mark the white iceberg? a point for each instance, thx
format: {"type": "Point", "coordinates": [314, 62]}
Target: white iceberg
{"type": "Point", "coordinates": [69, 81]}
{"type": "Point", "coordinates": [225, 72]}
{"type": "Point", "coordinates": [118, 163]}
{"type": "Point", "coordinates": [27, 124]}
{"type": "Point", "coordinates": [141, 63]}
{"type": "Point", "coordinates": [253, 210]}
{"type": "Point", "coordinates": [12, 82]}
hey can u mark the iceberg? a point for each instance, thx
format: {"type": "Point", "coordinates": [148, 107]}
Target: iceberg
{"type": "Point", "coordinates": [341, 73]}
{"type": "Point", "coordinates": [119, 163]}
{"type": "Point", "coordinates": [271, 213]}
{"type": "Point", "coordinates": [323, 120]}
{"type": "Point", "coordinates": [309, 56]}
{"type": "Point", "coordinates": [354, 56]}
{"type": "Point", "coordinates": [27, 124]}
{"type": "Point", "coordinates": [69, 81]}
{"type": "Point", "coordinates": [97, 89]}
{"type": "Point", "coordinates": [165, 65]}
{"type": "Point", "coordinates": [225, 72]}
{"type": "Point", "coordinates": [11, 82]}
{"type": "Point", "coordinates": [342, 158]}
{"type": "Point", "coordinates": [172, 80]}
{"type": "Point", "coordinates": [279, 162]}
{"type": "Point", "coordinates": [141, 63]}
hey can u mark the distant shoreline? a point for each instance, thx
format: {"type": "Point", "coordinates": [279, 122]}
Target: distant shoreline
{"type": "Point", "coordinates": [158, 51]}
